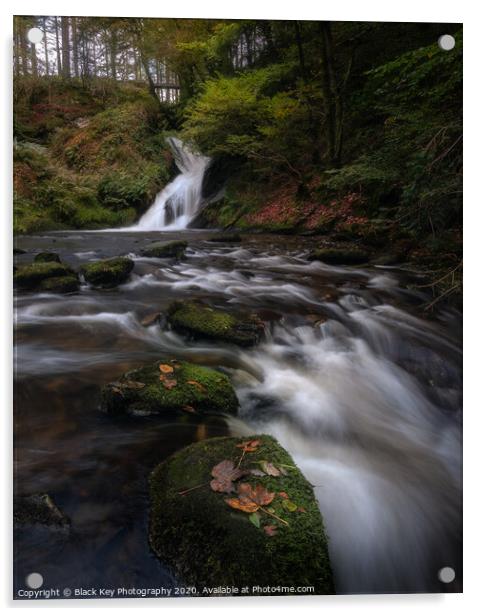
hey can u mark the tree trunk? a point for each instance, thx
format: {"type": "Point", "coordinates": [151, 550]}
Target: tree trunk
{"type": "Point", "coordinates": [23, 48]}
{"type": "Point", "coordinates": [332, 96]}
{"type": "Point", "coordinates": [75, 47]}
{"type": "Point", "coordinates": [57, 45]}
{"type": "Point", "coordinates": [46, 50]}
{"type": "Point", "coordinates": [33, 60]}
{"type": "Point", "coordinates": [113, 55]}
{"type": "Point", "coordinates": [65, 48]}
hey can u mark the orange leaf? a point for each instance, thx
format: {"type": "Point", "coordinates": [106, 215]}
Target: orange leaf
{"type": "Point", "coordinates": [283, 495]}
{"type": "Point", "coordinates": [243, 505]}
{"type": "Point", "coordinates": [169, 383]}
{"type": "Point", "coordinates": [249, 446]}
{"type": "Point", "coordinates": [197, 385]}
{"type": "Point", "coordinates": [166, 368]}
{"type": "Point", "coordinates": [259, 494]}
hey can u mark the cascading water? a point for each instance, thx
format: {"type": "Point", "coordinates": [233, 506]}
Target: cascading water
{"type": "Point", "coordinates": [177, 204]}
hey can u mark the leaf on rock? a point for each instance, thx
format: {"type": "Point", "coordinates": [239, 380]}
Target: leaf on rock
{"type": "Point", "coordinates": [188, 408]}
{"type": "Point", "coordinates": [224, 474]}
{"type": "Point", "coordinates": [199, 386]}
{"type": "Point", "coordinates": [169, 383]}
{"type": "Point", "coordinates": [166, 368]}
{"type": "Point", "coordinates": [133, 385]}
{"type": "Point", "coordinates": [270, 530]}
{"type": "Point", "coordinates": [249, 446]}
{"type": "Point", "coordinates": [250, 499]}
{"type": "Point", "coordinates": [283, 495]}
{"type": "Point", "coordinates": [256, 472]}
{"type": "Point", "coordinates": [269, 468]}
{"type": "Point", "coordinates": [255, 519]}
{"type": "Point", "coordinates": [290, 505]}
{"type": "Point", "coordinates": [301, 509]}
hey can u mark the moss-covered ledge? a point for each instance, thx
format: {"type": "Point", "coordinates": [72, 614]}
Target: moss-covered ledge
{"type": "Point", "coordinates": [34, 276]}
{"type": "Point", "coordinates": [208, 543]}
{"type": "Point", "coordinates": [199, 321]}
{"type": "Point", "coordinates": [170, 386]}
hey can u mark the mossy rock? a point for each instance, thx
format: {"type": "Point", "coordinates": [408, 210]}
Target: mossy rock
{"type": "Point", "coordinates": [340, 256]}
{"type": "Point", "coordinates": [33, 275]}
{"type": "Point", "coordinates": [38, 509]}
{"type": "Point", "coordinates": [164, 250]}
{"type": "Point", "coordinates": [108, 273]}
{"type": "Point", "coordinates": [226, 237]}
{"type": "Point", "coordinates": [47, 257]}
{"type": "Point", "coordinates": [60, 284]}
{"type": "Point", "coordinates": [175, 387]}
{"type": "Point", "coordinates": [199, 321]}
{"type": "Point", "coordinates": [207, 543]}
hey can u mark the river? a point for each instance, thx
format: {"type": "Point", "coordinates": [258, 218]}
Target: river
{"type": "Point", "coordinates": [362, 390]}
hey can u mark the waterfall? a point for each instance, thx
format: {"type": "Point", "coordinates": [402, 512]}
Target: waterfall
{"type": "Point", "coordinates": [177, 204]}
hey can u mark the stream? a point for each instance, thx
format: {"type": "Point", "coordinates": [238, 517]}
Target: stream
{"type": "Point", "coordinates": [354, 382]}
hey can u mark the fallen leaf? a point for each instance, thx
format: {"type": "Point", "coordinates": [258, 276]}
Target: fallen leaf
{"type": "Point", "coordinates": [301, 509]}
{"type": "Point", "coordinates": [197, 385]}
{"type": "Point", "coordinates": [249, 446]}
{"type": "Point", "coordinates": [256, 472]}
{"type": "Point", "coordinates": [150, 319]}
{"type": "Point", "coordinates": [283, 495]}
{"type": "Point", "coordinates": [166, 368]}
{"type": "Point", "coordinates": [251, 499]}
{"type": "Point", "coordinates": [169, 383]}
{"type": "Point", "coordinates": [269, 468]}
{"type": "Point", "coordinates": [270, 530]}
{"type": "Point", "coordinates": [189, 409]}
{"type": "Point", "coordinates": [255, 519]}
{"type": "Point", "coordinates": [290, 505]}
{"type": "Point", "coordinates": [224, 474]}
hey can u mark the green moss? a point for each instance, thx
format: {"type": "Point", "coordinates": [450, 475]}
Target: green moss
{"type": "Point", "coordinates": [162, 250]}
{"type": "Point", "coordinates": [207, 543]}
{"type": "Point", "coordinates": [340, 256]}
{"type": "Point", "coordinates": [30, 276]}
{"type": "Point", "coordinates": [201, 321]}
{"type": "Point", "coordinates": [194, 389]}
{"type": "Point", "coordinates": [109, 272]}
{"type": "Point", "coordinates": [47, 257]}
{"type": "Point", "coordinates": [60, 284]}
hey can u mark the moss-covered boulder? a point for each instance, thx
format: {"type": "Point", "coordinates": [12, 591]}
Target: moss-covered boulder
{"type": "Point", "coordinates": [108, 273]}
{"type": "Point", "coordinates": [340, 256]}
{"type": "Point", "coordinates": [170, 386]}
{"type": "Point", "coordinates": [200, 321]}
{"type": "Point", "coordinates": [60, 284]}
{"type": "Point", "coordinates": [33, 275]}
{"type": "Point", "coordinates": [165, 250]}
{"type": "Point", "coordinates": [47, 257]}
{"type": "Point", "coordinates": [208, 543]}
{"type": "Point", "coordinates": [38, 509]}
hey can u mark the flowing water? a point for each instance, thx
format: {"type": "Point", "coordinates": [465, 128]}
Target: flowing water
{"type": "Point", "coordinates": [364, 393]}
{"type": "Point", "coordinates": [177, 204]}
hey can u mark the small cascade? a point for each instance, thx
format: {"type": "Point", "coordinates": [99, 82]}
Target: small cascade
{"type": "Point", "coordinates": [177, 204]}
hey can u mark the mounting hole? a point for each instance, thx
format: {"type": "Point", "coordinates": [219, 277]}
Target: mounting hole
{"type": "Point", "coordinates": [35, 35]}
{"type": "Point", "coordinates": [34, 580]}
{"type": "Point", "coordinates": [446, 42]}
{"type": "Point", "coordinates": [446, 575]}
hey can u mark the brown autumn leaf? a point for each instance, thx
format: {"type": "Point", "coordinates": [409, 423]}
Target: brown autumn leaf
{"type": "Point", "coordinates": [133, 385]}
{"type": "Point", "coordinates": [188, 408]}
{"type": "Point", "coordinates": [269, 468]}
{"type": "Point", "coordinates": [169, 383]}
{"type": "Point", "coordinates": [224, 474]}
{"type": "Point", "coordinates": [251, 499]}
{"type": "Point", "coordinates": [199, 386]}
{"type": "Point", "coordinates": [249, 446]}
{"type": "Point", "coordinates": [270, 530]}
{"type": "Point", "coordinates": [166, 368]}
{"type": "Point", "coordinates": [283, 495]}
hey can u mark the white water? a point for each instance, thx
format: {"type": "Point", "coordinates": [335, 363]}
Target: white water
{"type": "Point", "coordinates": [177, 204]}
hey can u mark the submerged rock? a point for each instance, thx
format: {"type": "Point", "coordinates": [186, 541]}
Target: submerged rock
{"type": "Point", "coordinates": [199, 321]}
{"type": "Point", "coordinates": [170, 386]}
{"type": "Point", "coordinates": [162, 250]}
{"type": "Point", "coordinates": [47, 257]}
{"type": "Point", "coordinates": [60, 284]}
{"type": "Point", "coordinates": [339, 256]}
{"type": "Point", "coordinates": [108, 273]}
{"type": "Point", "coordinates": [38, 509]}
{"type": "Point", "coordinates": [206, 542]}
{"type": "Point", "coordinates": [33, 276]}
